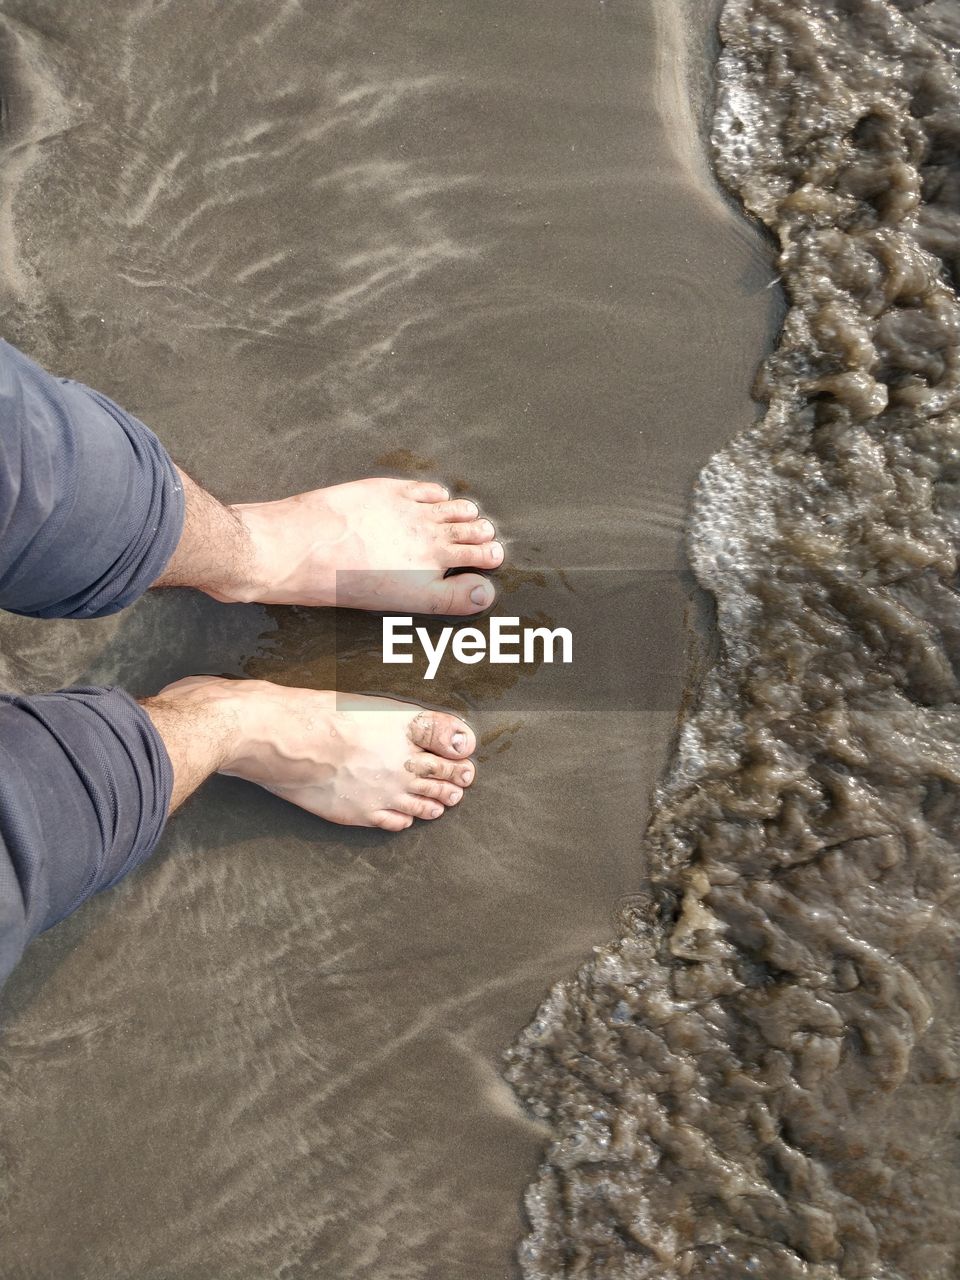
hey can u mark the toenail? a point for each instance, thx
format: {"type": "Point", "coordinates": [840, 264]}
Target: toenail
{"type": "Point", "coordinates": [456, 794]}
{"type": "Point", "coordinates": [487, 528]}
{"type": "Point", "coordinates": [466, 775]}
{"type": "Point", "coordinates": [459, 742]}
{"type": "Point", "coordinates": [437, 810]}
{"type": "Point", "coordinates": [482, 594]}
{"type": "Point", "coordinates": [496, 550]}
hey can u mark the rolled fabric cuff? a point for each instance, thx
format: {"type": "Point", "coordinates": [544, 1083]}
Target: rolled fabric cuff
{"type": "Point", "coordinates": [85, 786]}
{"type": "Point", "coordinates": [91, 504]}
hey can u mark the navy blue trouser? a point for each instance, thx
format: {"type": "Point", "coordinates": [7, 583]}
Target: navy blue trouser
{"type": "Point", "coordinates": [91, 510]}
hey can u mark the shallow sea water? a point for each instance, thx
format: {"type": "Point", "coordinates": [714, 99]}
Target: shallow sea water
{"type": "Point", "coordinates": [307, 242]}
{"type": "Point", "coordinates": [762, 1077]}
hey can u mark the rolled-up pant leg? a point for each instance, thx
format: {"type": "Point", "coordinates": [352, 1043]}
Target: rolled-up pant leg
{"type": "Point", "coordinates": [91, 510]}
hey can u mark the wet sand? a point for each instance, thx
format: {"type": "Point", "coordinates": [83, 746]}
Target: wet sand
{"type": "Point", "coordinates": [759, 1076]}
{"type": "Point", "coordinates": [476, 243]}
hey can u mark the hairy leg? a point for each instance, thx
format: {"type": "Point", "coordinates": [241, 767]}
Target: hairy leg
{"type": "Point", "coordinates": [381, 544]}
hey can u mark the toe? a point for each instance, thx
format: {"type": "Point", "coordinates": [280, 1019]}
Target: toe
{"type": "Point", "coordinates": [463, 594]}
{"type": "Point", "coordinates": [445, 792]}
{"type": "Point", "coordinates": [425, 765]}
{"type": "Point", "coordinates": [391, 820]}
{"type": "Point", "coordinates": [442, 734]}
{"type": "Point", "coordinates": [460, 509]}
{"type": "Point", "coordinates": [487, 556]}
{"type": "Point", "coordinates": [470, 531]}
{"type": "Point", "coordinates": [427, 491]}
{"type": "Point", "coordinates": [466, 773]}
{"type": "Point", "coordinates": [420, 807]}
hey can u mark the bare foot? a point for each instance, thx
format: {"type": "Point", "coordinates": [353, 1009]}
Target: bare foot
{"type": "Point", "coordinates": [360, 761]}
{"type": "Point", "coordinates": [373, 544]}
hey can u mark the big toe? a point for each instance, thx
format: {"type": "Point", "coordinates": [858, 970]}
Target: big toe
{"type": "Point", "coordinates": [462, 594]}
{"type": "Point", "coordinates": [442, 734]}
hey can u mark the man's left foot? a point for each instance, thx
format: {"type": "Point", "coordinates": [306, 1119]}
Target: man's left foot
{"type": "Point", "coordinates": [378, 544]}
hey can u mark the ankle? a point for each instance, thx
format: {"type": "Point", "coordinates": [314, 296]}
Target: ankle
{"type": "Point", "coordinates": [277, 730]}
{"type": "Point", "coordinates": [217, 553]}
{"type": "Point", "coordinates": [200, 720]}
{"type": "Point", "coordinates": [246, 712]}
{"type": "Point", "coordinates": [264, 562]}
{"type": "Point", "coordinates": [278, 555]}
{"type": "Point", "coordinates": [240, 577]}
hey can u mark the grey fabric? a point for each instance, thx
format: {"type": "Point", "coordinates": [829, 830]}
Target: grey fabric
{"type": "Point", "coordinates": [91, 509]}
{"type": "Point", "coordinates": [85, 783]}
{"type": "Point", "coordinates": [91, 506]}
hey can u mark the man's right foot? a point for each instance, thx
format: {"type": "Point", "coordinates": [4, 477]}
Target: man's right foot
{"type": "Point", "coordinates": [360, 761]}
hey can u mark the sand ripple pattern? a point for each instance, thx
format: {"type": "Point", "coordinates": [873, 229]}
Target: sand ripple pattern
{"type": "Point", "coordinates": [760, 1077]}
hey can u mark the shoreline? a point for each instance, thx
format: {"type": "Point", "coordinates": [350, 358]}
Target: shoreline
{"type": "Point", "coordinates": [463, 242]}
